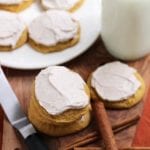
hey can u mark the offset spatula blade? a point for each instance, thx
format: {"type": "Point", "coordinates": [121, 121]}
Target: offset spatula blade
{"type": "Point", "coordinates": [17, 117]}
{"type": "Point", "coordinates": [10, 103]}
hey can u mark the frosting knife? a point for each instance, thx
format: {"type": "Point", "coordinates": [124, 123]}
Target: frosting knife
{"type": "Point", "coordinates": [17, 117]}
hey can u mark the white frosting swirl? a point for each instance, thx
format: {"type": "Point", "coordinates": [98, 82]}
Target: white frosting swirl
{"type": "Point", "coordinates": [11, 28]}
{"type": "Point", "coordinates": [115, 81]}
{"type": "Point", "coordinates": [58, 89]}
{"type": "Point", "coordinates": [59, 4]}
{"type": "Point", "coordinates": [10, 2]}
{"type": "Point", "coordinates": [52, 27]}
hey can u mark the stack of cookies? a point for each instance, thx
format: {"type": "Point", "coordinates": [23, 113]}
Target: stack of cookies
{"type": "Point", "coordinates": [60, 102]}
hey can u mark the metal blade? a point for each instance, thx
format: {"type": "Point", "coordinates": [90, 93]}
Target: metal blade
{"type": "Point", "coordinates": [11, 106]}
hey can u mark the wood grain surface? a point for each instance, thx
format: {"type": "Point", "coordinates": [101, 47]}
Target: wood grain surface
{"type": "Point", "coordinates": [97, 55]}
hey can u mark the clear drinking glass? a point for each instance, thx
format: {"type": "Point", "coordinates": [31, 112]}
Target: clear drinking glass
{"type": "Point", "coordinates": [126, 28]}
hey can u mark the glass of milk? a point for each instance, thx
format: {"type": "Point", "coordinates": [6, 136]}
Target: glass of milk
{"type": "Point", "coordinates": [126, 28]}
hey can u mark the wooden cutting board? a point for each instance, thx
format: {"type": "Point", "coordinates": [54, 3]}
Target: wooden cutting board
{"type": "Point", "coordinates": [97, 55]}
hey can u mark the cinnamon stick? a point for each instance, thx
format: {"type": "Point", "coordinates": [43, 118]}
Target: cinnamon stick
{"type": "Point", "coordinates": [88, 148]}
{"type": "Point", "coordinates": [136, 148]}
{"type": "Point", "coordinates": [82, 143]}
{"type": "Point", "coordinates": [118, 127]}
{"type": "Point", "coordinates": [121, 128]}
{"type": "Point", "coordinates": [104, 125]}
{"type": "Point", "coordinates": [131, 120]}
{"type": "Point", "coordinates": [99, 148]}
{"type": "Point", "coordinates": [83, 138]}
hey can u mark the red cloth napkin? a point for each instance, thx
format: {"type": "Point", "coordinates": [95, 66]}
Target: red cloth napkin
{"type": "Point", "coordinates": [142, 135]}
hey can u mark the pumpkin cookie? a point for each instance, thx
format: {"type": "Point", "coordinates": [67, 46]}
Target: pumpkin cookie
{"type": "Point", "coordinates": [59, 130]}
{"type": "Point", "coordinates": [66, 117]}
{"type": "Point", "coordinates": [117, 85]}
{"type": "Point", "coordinates": [70, 5]}
{"type": "Point", "coordinates": [15, 5]}
{"type": "Point", "coordinates": [53, 31]}
{"type": "Point", "coordinates": [60, 101]}
{"type": "Point", "coordinates": [13, 32]}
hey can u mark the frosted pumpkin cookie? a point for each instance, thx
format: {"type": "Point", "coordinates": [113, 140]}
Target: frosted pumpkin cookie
{"type": "Point", "coordinates": [70, 5]}
{"type": "Point", "coordinates": [117, 85]}
{"type": "Point", "coordinates": [54, 30]}
{"type": "Point", "coordinates": [60, 102]}
{"type": "Point", "coordinates": [15, 5]}
{"type": "Point", "coordinates": [13, 32]}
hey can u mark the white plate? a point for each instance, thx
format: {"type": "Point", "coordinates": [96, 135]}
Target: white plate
{"type": "Point", "coordinates": [27, 58]}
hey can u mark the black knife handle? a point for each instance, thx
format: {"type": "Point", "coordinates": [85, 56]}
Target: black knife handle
{"type": "Point", "coordinates": [35, 142]}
